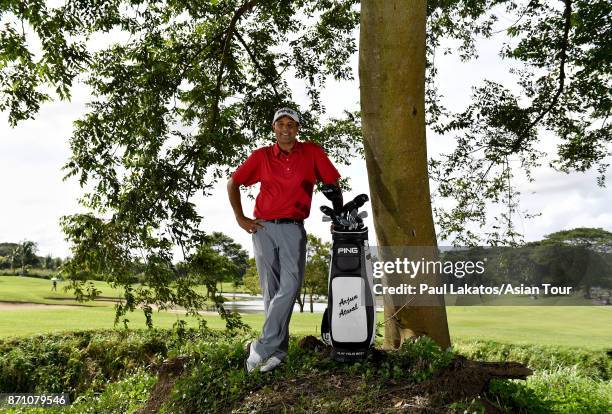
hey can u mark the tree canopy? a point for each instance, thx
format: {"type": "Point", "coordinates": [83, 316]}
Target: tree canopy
{"type": "Point", "coordinates": [191, 90]}
{"type": "Point", "coordinates": [559, 54]}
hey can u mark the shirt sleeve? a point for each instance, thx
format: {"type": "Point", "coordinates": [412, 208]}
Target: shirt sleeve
{"type": "Point", "coordinates": [248, 173]}
{"type": "Point", "coordinates": [324, 169]}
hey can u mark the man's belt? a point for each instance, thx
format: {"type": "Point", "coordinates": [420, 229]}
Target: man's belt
{"type": "Point", "coordinates": [286, 221]}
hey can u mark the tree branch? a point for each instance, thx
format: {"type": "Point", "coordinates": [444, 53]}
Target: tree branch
{"type": "Point", "coordinates": [256, 63]}
{"type": "Point", "coordinates": [226, 47]}
{"type": "Point", "coordinates": [216, 94]}
{"type": "Point", "coordinates": [188, 157]}
{"type": "Point", "coordinates": [567, 15]}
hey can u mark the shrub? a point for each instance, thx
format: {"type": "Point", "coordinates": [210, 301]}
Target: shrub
{"type": "Point", "coordinates": [76, 362]}
{"type": "Point", "coordinates": [121, 397]}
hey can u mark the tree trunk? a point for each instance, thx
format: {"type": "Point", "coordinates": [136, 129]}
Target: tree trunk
{"type": "Point", "coordinates": [392, 84]}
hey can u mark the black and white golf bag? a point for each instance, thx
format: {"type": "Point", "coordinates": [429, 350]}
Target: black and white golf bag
{"type": "Point", "coordinates": [349, 321]}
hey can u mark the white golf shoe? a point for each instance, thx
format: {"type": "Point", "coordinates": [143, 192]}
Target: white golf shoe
{"type": "Point", "coordinates": [252, 360]}
{"type": "Point", "coordinates": [271, 363]}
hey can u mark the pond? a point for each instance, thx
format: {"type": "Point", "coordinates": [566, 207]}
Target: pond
{"type": "Point", "coordinates": [255, 304]}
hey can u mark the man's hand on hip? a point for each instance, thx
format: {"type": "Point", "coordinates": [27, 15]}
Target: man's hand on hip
{"type": "Point", "coordinates": [249, 225]}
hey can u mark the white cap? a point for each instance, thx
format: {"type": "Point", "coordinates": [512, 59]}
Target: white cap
{"type": "Point", "coordinates": [286, 112]}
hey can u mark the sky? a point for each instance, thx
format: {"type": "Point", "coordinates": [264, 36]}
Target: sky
{"type": "Point", "coordinates": [34, 196]}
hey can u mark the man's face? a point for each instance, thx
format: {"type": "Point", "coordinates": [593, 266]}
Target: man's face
{"type": "Point", "coordinates": [285, 129]}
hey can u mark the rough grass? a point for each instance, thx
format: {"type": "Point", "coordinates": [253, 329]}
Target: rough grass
{"type": "Point", "coordinates": [563, 390]}
{"type": "Point", "coordinates": [115, 372]}
{"type": "Point", "coordinates": [588, 363]}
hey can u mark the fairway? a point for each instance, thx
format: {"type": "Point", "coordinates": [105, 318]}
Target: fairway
{"type": "Point", "coordinates": [586, 327]}
{"type": "Point", "coordinates": [35, 290]}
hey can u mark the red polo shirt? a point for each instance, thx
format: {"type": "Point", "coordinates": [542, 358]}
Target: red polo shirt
{"type": "Point", "coordinates": [287, 180]}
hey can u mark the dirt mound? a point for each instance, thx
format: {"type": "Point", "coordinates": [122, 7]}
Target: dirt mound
{"type": "Point", "coordinates": [327, 392]}
{"type": "Point", "coordinates": [282, 397]}
{"type": "Point", "coordinates": [462, 380]}
{"type": "Point", "coordinates": [310, 343]}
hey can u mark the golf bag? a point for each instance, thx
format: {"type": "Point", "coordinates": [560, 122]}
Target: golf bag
{"type": "Point", "coordinates": [349, 321]}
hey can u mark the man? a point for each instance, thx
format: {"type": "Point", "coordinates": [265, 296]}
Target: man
{"type": "Point", "coordinates": [287, 171]}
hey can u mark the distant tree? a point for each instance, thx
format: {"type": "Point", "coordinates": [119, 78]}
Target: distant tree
{"type": "Point", "coordinates": [211, 267]}
{"type": "Point", "coordinates": [25, 255]}
{"type": "Point", "coordinates": [48, 262]}
{"type": "Point", "coordinates": [586, 254]}
{"type": "Point", "coordinates": [317, 270]}
{"type": "Point", "coordinates": [251, 278]}
{"type": "Point", "coordinates": [5, 262]}
{"type": "Point", "coordinates": [7, 248]}
{"type": "Point", "coordinates": [14, 259]}
{"type": "Point", "coordinates": [226, 246]}
{"type": "Point", "coordinates": [594, 239]}
{"type": "Point", "coordinates": [208, 266]}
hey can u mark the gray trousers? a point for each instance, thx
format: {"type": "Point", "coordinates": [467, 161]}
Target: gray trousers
{"type": "Point", "coordinates": [280, 256]}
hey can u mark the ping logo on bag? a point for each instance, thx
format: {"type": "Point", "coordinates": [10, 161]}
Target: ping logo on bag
{"type": "Point", "coordinates": [352, 250]}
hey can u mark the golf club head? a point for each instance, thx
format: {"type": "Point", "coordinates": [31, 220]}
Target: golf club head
{"type": "Point", "coordinates": [333, 194]}
{"type": "Point", "coordinates": [356, 203]}
{"type": "Point", "coordinates": [328, 211]}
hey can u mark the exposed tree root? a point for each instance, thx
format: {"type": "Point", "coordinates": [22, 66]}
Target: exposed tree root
{"type": "Point", "coordinates": [461, 380]}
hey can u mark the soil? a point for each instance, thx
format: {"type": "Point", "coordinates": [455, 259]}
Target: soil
{"type": "Point", "coordinates": [462, 380]}
{"type": "Point", "coordinates": [167, 374]}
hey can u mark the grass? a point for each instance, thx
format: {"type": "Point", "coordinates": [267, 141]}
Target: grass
{"type": "Point", "coordinates": [561, 391]}
{"type": "Point", "coordinates": [576, 326]}
{"type": "Point", "coordinates": [586, 327]}
{"type": "Point", "coordinates": [19, 323]}
{"type": "Point", "coordinates": [594, 364]}
{"type": "Point", "coordinates": [113, 372]}
{"type": "Point", "coordinates": [36, 290]}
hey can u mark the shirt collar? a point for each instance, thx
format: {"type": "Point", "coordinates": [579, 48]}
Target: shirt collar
{"type": "Point", "coordinates": [296, 148]}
